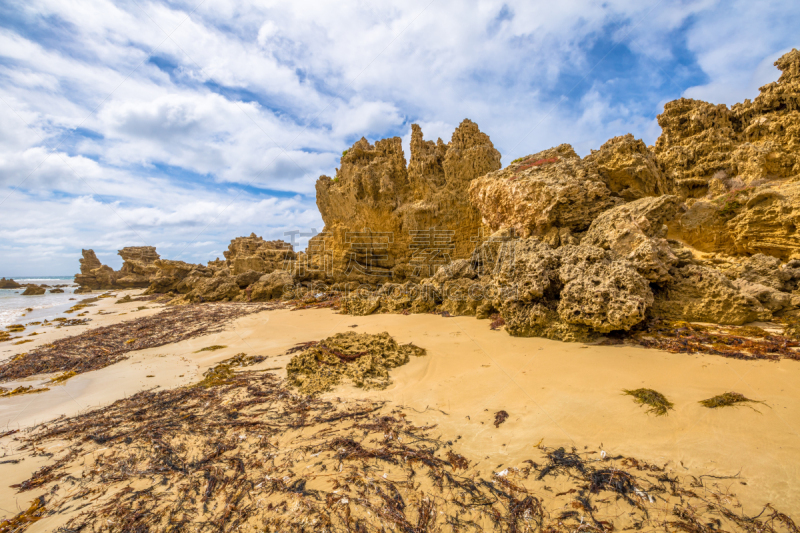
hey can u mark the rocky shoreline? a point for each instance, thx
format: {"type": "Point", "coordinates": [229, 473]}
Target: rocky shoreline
{"type": "Point", "coordinates": [698, 228]}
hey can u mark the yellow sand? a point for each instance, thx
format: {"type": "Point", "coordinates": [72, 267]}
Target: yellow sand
{"type": "Point", "coordinates": [565, 394]}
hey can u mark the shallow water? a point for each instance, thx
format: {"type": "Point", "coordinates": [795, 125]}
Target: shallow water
{"type": "Point", "coordinates": [13, 306]}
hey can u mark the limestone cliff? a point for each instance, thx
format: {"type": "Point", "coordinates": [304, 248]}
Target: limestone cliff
{"type": "Point", "coordinates": [696, 228]}
{"type": "Point", "coordinates": [739, 167]}
{"type": "Point", "coordinates": [387, 221]}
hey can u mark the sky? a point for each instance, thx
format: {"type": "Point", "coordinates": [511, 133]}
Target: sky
{"type": "Point", "coordinates": [184, 124]}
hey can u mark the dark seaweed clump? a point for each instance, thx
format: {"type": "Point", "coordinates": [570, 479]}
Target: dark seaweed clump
{"type": "Point", "coordinates": [659, 405]}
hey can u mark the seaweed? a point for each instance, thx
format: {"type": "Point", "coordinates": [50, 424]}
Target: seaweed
{"type": "Point", "coordinates": [104, 346]}
{"type": "Point", "coordinates": [728, 399]}
{"type": "Point", "coordinates": [21, 521]}
{"type": "Point", "coordinates": [499, 418]}
{"type": "Point", "coordinates": [23, 390]}
{"type": "Point", "coordinates": [252, 452]}
{"type": "Point", "coordinates": [659, 405]}
{"type": "Point", "coordinates": [222, 373]}
{"type": "Point", "coordinates": [212, 348]}
{"type": "Point", "coordinates": [746, 343]}
{"type": "Point", "coordinates": [61, 378]}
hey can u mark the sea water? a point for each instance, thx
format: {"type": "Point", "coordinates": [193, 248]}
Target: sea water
{"type": "Point", "coordinates": [13, 306]}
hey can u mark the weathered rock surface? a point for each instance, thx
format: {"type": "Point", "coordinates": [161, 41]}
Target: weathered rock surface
{"type": "Point", "coordinates": [272, 285]}
{"type": "Point", "coordinates": [543, 193]}
{"type": "Point", "coordinates": [9, 284]}
{"type": "Point", "coordinates": [234, 279]}
{"type": "Point", "coordinates": [703, 294]}
{"type": "Point", "coordinates": [629, 169]}
{"type": "Point", "coordinates": [742, 164]}
{"type": "Point", "coordinates": [567, 293]}
{"type": "Point", "coordinates": [388, 222]}
{"type": "Point", "coordinates": [636, 231]}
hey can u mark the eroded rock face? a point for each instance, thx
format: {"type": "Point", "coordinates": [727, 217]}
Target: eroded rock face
{"type": "Point", "coordinates": [387, 222]}
{"type": "Point", "coordinates": [702, 294]}
{"type": "Point", "coordinates": [550, 190]}
{"type": "Point", "coordinates": [636, 231]}
{"type": "Point", "coordinates": [742, 164]}
{"type": "Point", "coordinates": [629, 169]}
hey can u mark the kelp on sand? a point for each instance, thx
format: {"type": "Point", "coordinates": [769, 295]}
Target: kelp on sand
{"type": "Point", "coordinates": [104, 346]}
{"type": "Point", "coordinates": [251, 454]}
{"type": "Point", "coordinates": [736, 342]}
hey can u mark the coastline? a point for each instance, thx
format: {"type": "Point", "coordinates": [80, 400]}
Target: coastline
{"type": "Point", "coordinates": [558, 394]}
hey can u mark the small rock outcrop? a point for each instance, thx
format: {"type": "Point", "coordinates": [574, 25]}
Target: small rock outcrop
{"type": "Point", "coordinates": [34, 290]}
{"type": "Point", "coordinates": [246, 274]}
{"type": "Point", "coordinates": [9, 284]}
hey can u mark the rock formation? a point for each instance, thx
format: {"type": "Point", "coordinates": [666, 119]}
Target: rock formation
{"type": "Point", "coordinates": [550, 194]}
{"type": "Point", "coordinates": [9, 284]}
{"type": "Point", "coordinates": [34, 290]}
{"type": "Point", "coordinates": [257, 255]}
{"type": "Point", "coordinates": [388, 222]}
{"type": "Point", "coordinates": [251, 271]}
{"type": "Point", "coordinates": [137, 269]}
{"type": "Point", "coordinates": [701, 227]}
{"type": "Point", "coordinates": [739, 167]}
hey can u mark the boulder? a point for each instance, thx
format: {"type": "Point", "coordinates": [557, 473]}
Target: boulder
{"type": "Point", "coordinates": [245, 279]}
{"type": "Point", "coordinates": [56, 291]}
{"type": "Point", "coordinates": [629, 169]}
{"type": "Point", "coordinates": [272, 285]}
{"type": "Point", "coordinates": [34, 290]}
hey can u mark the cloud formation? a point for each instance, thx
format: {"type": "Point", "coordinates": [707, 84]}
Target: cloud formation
{"type": "Point", "coordinates": [184, 124]}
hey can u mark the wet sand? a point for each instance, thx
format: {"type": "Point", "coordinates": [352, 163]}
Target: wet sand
{"type": "Point", "coordinates": [556, 393]}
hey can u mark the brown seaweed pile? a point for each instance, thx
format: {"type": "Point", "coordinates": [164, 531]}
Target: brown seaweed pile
{"type": "Point", "coordinates": [253, 455]}
{"type": "Point", "coordinates": [728, 399]}
{"type": "Point", "coordinates": [101, 347]}
{"type": "Point", "coordinates": [362, 358]}
{"type": "Point", "coordinates": [749, 343]}
{"type": "Point", "coordinates": [657, 402]}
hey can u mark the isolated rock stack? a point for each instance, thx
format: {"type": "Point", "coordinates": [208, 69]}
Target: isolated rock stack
{"type": "Point", "coordinates": [137, 269]}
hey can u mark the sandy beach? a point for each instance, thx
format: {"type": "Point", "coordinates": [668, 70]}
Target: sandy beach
{"type": "Point", "coordinates": [556, 394]}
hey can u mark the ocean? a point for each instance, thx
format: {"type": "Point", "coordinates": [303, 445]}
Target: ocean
{"type": "Point", "coordinates": [13, 306]}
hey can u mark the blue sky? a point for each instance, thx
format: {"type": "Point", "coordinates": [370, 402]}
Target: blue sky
{"type": "Point", "coordinates": [184, 124]}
